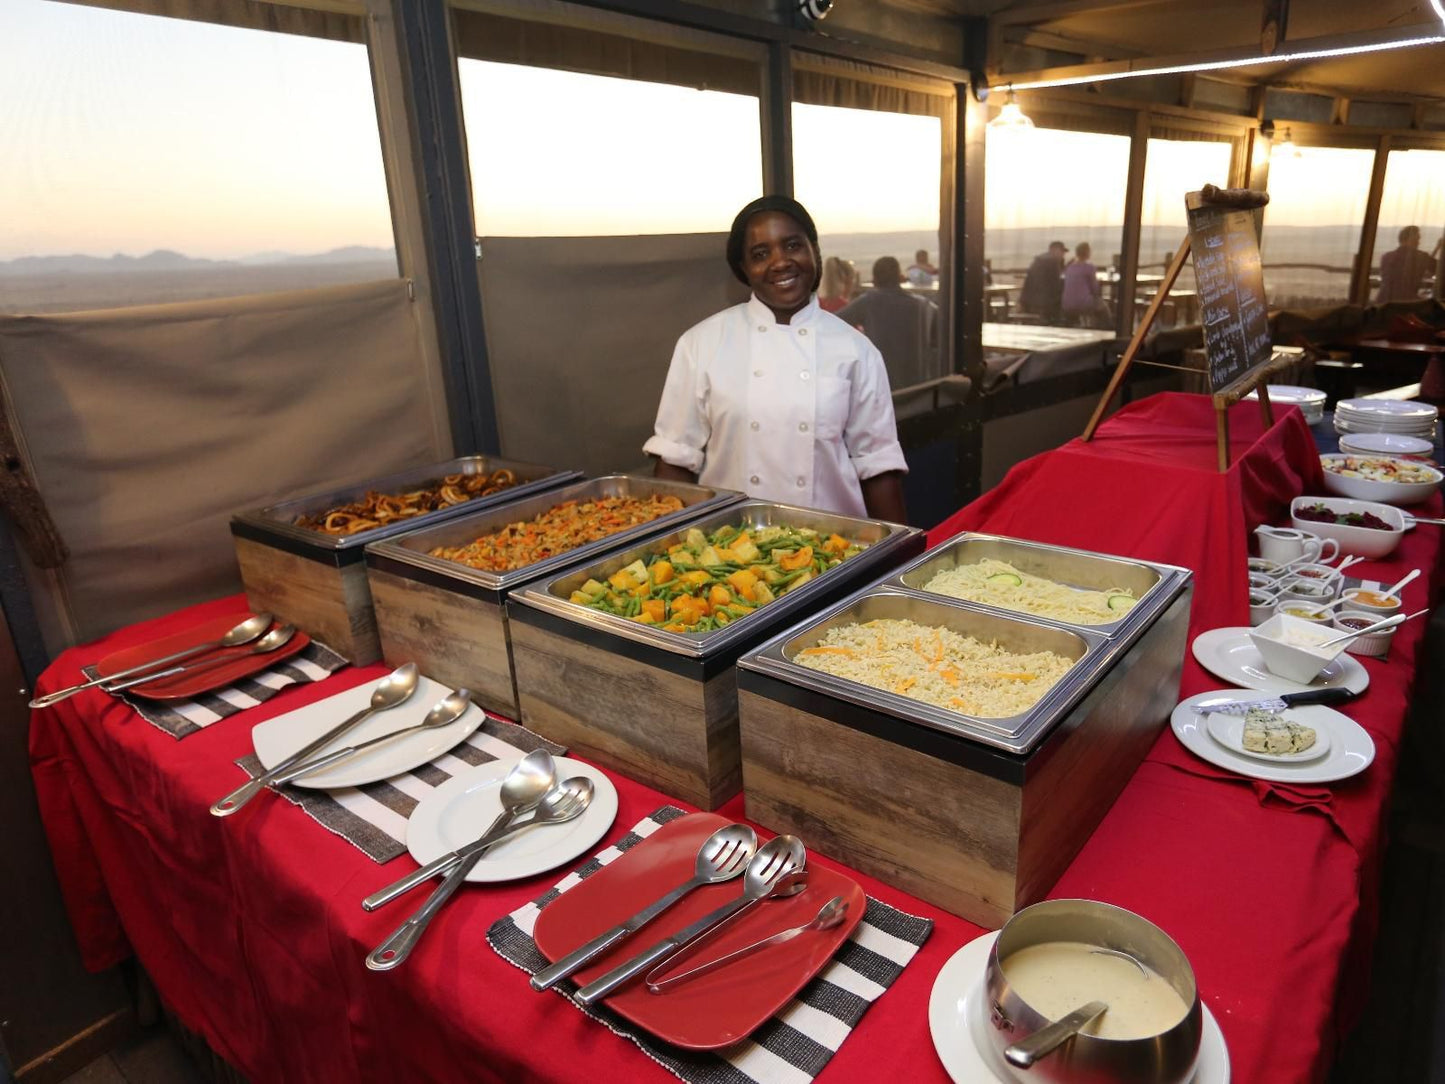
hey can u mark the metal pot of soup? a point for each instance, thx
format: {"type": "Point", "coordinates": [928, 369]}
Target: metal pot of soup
{"type": "Point", "coordinates": [1058, 955]}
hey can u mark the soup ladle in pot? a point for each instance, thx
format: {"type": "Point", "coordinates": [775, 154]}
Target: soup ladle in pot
{"type": "Point", "coordinates": [1046, 1040]}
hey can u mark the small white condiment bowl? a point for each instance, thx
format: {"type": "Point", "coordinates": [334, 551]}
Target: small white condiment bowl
{"type": "Point", "coordinates": [1263, 567]}
{"type": "Point", "coordinates": [1354, 605]}
{"type": "Point", "coordinates": [1316, 592]}
{"type": "Point", "coordinates": [1305, 611]}
{"type": "Point", "coordinates": [1375, 644]}
{"type": "Point", "coordinates": [1261, 606]}
{"type": "Point", "coordinates": [1294, 661]}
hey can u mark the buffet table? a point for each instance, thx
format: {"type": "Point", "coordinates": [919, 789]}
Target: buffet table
{"type": "Point", "coordinates": [252, 930]}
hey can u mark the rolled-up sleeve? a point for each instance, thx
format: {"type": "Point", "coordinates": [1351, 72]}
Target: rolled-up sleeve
{"type": "Point", "coordinates": [681, 432]}
{"type": "Point", "coordinates": [871, 435]}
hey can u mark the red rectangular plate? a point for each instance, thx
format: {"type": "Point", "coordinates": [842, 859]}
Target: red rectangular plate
{"type": "Point", "coordinates": [240, 662]}
{"type": "Point", "coordinates": [719, 1008]}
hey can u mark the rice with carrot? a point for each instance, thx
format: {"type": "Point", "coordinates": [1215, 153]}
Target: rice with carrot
{"type": "Point", "coordinates": [937, 666]}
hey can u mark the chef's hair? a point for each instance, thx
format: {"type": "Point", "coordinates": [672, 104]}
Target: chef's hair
{"type": "Point", "coordinates": [783, 205]}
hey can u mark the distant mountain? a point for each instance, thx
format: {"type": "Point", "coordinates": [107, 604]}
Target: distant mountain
{"type": "Point", "coordinates": [166, 260]}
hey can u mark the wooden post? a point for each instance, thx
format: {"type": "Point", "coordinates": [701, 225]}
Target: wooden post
{"type": "Point", "coordinates": [1150, 314]}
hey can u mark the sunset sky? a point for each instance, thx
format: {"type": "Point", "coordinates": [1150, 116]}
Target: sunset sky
{"type": "Point", "coordinates": [128, 133]}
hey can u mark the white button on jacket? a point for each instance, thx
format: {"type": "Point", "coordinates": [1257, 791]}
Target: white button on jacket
{"type": "Point", "coordinates": [831, 428]}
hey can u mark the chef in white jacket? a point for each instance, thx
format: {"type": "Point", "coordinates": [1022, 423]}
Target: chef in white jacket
{"type": "Point", "coordinates": [777, 397]}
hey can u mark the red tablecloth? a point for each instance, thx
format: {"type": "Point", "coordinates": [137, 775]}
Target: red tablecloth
{"type": "Point", "coordinates": [252, 929]}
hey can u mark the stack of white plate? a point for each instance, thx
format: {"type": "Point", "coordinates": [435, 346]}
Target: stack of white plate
{"type": "Point", "coordinates": [1384, 444]}
{"type": "Point", "coordinates": [1404, 418]}
{"type": "Point", "coordinates": [1311, 401]}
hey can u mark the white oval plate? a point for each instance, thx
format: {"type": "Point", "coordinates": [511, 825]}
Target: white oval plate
{"type": "Point", "coordinates": [1228, 731]}
{"type": "Point", "coordinates": [1351, 748]}
{"type": "Point", "coordinates": [956, 1022]}
{"type": "Point", "coordinates": [463, 807]}
{"type": "Point", "coordinates": [278, 738]}
{"type": "Point", "coordinates": [1229, 653]}
{"type": "Point", "coordinates": [1385, 444]}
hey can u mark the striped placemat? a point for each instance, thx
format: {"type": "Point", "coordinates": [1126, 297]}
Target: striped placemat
{"type": "Point", "coordinates": [179, 718]}
{"type": "Point", "coordinates": [791, 1048]}
{"type": "Point", "coordinates": [372, 817]}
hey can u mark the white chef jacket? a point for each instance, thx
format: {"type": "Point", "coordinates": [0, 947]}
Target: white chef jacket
{"type": "Point", "coordinates": [796, 413]}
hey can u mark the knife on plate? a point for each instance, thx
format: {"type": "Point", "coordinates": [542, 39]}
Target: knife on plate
{"type": "Point", "coordinates": [1229, 705]}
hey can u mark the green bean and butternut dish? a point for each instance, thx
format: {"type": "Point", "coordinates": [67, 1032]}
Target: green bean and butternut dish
{"type": "Point", "coordinates": [706, 582]}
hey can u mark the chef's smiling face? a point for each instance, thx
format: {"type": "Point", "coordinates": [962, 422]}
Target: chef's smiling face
{"type": "Point", "coordinates": [780, 263]}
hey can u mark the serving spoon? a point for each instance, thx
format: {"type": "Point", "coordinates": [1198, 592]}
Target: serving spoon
{"type": "Point", "coordinates": [1378, 626]}
{"type": "Point", "coordinates": [723, 855]}
{"type": "Point", "coordinates": [443, 713]}
{"type": "Point", "coordinates": [274, 640]}
{"type": "Point", "coordinates": [565, 802]}
{"type": "Point", "coordinates": [390, 691]}
{"type": "Point", "coordinates": [1047, 1039]}
{"type": "Point", "coordinates": [242, 633]}
{"type": "Point", "coordinates": [524, 787]}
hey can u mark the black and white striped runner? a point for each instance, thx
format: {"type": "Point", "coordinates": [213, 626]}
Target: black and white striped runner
{"type": "Point", "coordinates": [792, 1047]}
{"type": "Point", "coordinates": [179, 718]}
{"type": "Point", "coordinates": [373, 816]}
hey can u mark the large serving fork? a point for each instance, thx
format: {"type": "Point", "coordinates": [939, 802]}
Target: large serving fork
{"type": "Point", "coordinates": [777, 869]}
{"type": "Point", "coordinates": [724, 855]}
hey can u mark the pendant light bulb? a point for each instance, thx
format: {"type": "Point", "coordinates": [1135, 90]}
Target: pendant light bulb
{"type": "Point", "coordinates": [1011, 117]}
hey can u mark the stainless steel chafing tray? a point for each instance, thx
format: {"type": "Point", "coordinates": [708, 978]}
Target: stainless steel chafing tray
{"type": "Point", "coordinates": [887, 544]}
{"type": "Point", "coordinates": [1090, 571]}
{"type": "Point", "coordinates": [409, 555]}
{"type": "Point", "coordinates": [277, 523]}
{"type": "Point", "coordinates": [1091, 653]}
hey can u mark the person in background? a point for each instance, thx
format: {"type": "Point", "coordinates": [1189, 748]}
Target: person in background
{"type": "Point", "coordinates": [1083, 302]}
{"type": "Point", "coordinates": [1403, 270]}
{"type": "Point", "coordinates": [776, 397]}
{"type": "Point", "coordinates": [920, 271]}
{"type": "Point", "coordinates": [840, 283]}
{"type": "Point", "coordinates": [1043, 288]}
{"type": "Point", "coordinates": [903, 327]}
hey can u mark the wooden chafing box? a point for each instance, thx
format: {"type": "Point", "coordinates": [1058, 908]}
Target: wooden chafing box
{"type": "Point", "coordinates": [978, 816]}
{"type": "Point", "coordinates": [661, 707]}
{"type": "Point", "coordinates": [317, 581]}
{"type": "Point", "coordinates": [452, 620]}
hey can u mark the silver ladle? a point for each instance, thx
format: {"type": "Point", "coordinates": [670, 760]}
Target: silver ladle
{"type": "Point", "coordinates": [1046, 1040]}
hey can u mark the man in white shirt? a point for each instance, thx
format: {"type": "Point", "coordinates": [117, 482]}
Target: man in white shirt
{"type": "Point", "coordinates": [776, 397]}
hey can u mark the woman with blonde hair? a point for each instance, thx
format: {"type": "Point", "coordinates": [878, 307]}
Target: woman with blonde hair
{"type": "Point", "coordinates": [840, 282]}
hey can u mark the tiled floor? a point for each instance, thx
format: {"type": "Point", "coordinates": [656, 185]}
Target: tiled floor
{"type": "Point", "coordinates": [153, 1057]}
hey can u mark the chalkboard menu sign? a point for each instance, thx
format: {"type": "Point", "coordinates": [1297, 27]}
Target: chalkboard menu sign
{"type": "Point", "coordinates": [1231, 289]}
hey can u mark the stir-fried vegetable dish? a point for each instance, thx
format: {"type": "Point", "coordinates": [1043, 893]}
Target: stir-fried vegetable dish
{"type": "Point", "coordinates": [706, 582]}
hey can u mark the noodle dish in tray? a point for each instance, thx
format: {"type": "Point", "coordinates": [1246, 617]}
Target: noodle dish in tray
{"type": "Point", "coordinates": [998, 583]}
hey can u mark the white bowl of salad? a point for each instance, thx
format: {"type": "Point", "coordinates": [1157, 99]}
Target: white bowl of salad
{"type": "Point", "coordinates": [1364, 528]}
{"type": "Point", "coordinates": [1380, 478]}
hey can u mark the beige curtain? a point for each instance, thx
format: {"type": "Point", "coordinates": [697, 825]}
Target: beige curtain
{"type": "Point", "coordinates": [847, 84]}
{"type": "Point", "coordinates": [146, 428]}
{"type": "Point", "coordinates": [249, 14]}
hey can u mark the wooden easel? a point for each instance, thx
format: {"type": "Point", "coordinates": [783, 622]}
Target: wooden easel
{"type": "Point", "coordinates": [1256, 377]}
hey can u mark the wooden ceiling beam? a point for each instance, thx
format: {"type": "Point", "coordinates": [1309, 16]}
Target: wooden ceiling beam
{"type": "Point", "coordinates": [1029, 13]}
{"type": "Point", "coordinates": [1065, 43]}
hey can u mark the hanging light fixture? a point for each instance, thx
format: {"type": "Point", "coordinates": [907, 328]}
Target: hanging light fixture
{"type": "Point", "coordinates": [1011, 117]}
{"type": "Point", "coordinates": [1287, 145]}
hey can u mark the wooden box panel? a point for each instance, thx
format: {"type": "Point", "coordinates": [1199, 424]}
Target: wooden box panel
{"type": "Point", "coordinates": [673, 731]}
{"type": "Point", "coordinates": [977, 832]}
{"type": "Point", "coordinates": [330, 603]}
{"type": "Point", "coordinates": [452, 637]}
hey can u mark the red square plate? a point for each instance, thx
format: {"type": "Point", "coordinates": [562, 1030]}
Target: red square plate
{"type": "Point", "coordinates": [240, 662]}
{"type": "Point", "coordinates": [719, 1008]}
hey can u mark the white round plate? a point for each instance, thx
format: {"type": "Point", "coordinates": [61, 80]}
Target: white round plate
{"type": "Point", "coordinates": [278, 738]}
{"type": "Point", "coordinates": [1351, 748]}
{"type": "Point", "coordinates": [1384, 444]}
{"type": "Point", "coordinates": [956, 1022]}
{"type": "Point", "coordinates": [1228, 731]}
{"type": "Point", "coordinates": [1229, 653]}
{"type": "Point", "coordinates": [463, 807]}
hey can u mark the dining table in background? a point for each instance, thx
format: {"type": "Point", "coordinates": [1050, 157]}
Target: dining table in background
{"type": "Point", "coordinates": [254, 935]}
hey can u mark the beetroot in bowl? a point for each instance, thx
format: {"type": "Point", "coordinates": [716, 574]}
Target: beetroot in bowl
{"type": "Point", "coordinates": [1365, 528]}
